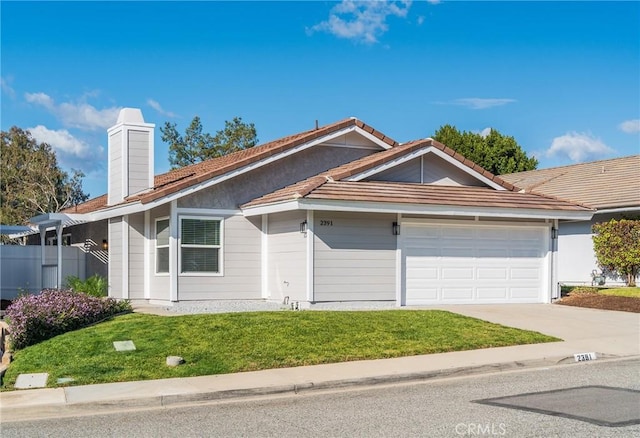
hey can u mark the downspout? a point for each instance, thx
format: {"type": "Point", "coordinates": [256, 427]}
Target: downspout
{"type": "Point", "coordinates": [555, 285]}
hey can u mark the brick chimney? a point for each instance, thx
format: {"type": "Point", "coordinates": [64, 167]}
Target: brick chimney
{"type": "Point", "coordinates": [130, 155]}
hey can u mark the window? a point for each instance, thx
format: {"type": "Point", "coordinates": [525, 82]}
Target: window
{"type": "Point", "coordinates": [200, 244]}
{"type": "Point", "coordinates": [162, 246]}
{"type": "Point", "coordinates": [53, 240]}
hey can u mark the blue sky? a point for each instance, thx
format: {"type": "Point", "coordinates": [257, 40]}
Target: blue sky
{"type": "Point", "coordinates": [562, 78]}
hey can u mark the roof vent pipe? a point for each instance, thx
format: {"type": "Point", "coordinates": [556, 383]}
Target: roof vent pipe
{"type": "Point", "coordinates": [316, 124]}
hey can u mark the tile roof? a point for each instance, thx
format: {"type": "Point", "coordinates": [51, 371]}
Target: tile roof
{"type": "Point", "coordinates": [425, 194]}
{"type": "Point", "coordinates": [612, 183]}
{"type": "Point", "coordinates": [184, 177]}
{"type": "Point", "coordinates": [88, 206]}
{"type": "Point", "coordinates": [305, 187]}
{"type": "Point", "coordinates": [414, 193]}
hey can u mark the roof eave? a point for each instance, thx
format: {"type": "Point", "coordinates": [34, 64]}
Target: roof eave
{"type": "Point", "coordinates": [404, 208]}
{"type": "Point", "coordinates": [625, 209]}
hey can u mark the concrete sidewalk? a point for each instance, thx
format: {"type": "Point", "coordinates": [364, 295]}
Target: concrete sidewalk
{"type": "Point", "coordinates": [609, 334]}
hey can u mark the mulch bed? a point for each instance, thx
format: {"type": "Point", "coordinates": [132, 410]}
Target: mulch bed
{"type": "Point", "coordinates": [605, 302]}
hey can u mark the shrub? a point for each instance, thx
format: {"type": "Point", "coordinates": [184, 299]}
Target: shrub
{"type": "Point", "coordinates": [582, 290]}
{"type": "Point", "coordinates": [35, 318]}
{"type": "Point", "coordinates": [96, 286]}
{"type": "Point", "coordinates": [617, 247]}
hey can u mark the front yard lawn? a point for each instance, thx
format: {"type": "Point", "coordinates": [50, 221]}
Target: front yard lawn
{"type": "Point", "coordinates": [633, 292]}
{"type": "Point", "coordinates": [235, 342]}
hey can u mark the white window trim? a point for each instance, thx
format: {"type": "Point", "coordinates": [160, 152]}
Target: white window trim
{"type": "Point", "coordinates": [155, 249]}
{"type": "Point", "coordinates": [220, 247]}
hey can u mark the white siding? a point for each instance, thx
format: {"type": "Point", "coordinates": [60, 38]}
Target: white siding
{"type": "Point", "coordinates": [159, 283]}
{"type": "Point", "coordinates": [428, 169]}
{"type": "Point", "coordinates": [136, 256]}
{"type": "Point", "coordinates": [576, 258]}
{"type": "Point", "coordinates": [115, 168]}
{"type": "Point", "coordinates": [244, 188]}
{"type": "Point", "coordinates": [355, 257]}
{"type": "Point", "coordinates": [138, 161]}
{"type": "Point", "coordinates": [439, 172]}
{"type": "Point", "coordinates": [241, 266]}
{"type": "Point", "coordinates": [287, 256]}
{"type": "Point", "coordinates": [354, 139]}
{"type": "Point", "coordinates": [406, 172]}
{"type": "Point", "coordinates": [115, 257]}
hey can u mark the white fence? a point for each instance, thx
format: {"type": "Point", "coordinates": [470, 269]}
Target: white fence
{"type": "Point", "coordinates": [21, 268]}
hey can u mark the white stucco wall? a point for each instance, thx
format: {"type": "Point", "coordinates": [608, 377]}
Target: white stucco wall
{"type": "Point", "coordinates": [576, 258]}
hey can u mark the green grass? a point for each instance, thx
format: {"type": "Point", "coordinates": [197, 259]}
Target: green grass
{"type": "Point", "coordinates": [633, 292]}
{"type": "Point", "coordinates": [236, 342]}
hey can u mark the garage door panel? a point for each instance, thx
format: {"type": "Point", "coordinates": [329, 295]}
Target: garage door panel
{"type": "Point", "coordinates": [427, 295]}
{"type": "Point", "coordinates": [492, 293]}
{"type": "Point", "coordinates": [525, 274]}
{"type": "Point", "coordinates": [422, 273]}
{"type": "Point", "coordinates": [523, 293]}
{"type": "Point", "coordinates": [473, 263]}
{"type": "Point", "coordinates": [457, 293]}
{"type": "Point", "coordinates": [486, 273]}
{"type": "Point", "coordinates": [451, 273]}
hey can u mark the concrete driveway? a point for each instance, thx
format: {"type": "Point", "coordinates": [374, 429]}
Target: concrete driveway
{"type": "Point", "coordinates": [605, 331]}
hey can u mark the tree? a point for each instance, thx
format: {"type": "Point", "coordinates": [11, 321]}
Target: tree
{"type": "Point", "coordinates": [617, 247]}
{"type": "Point", "coordinates": [197, 146]}
{"type": "Point", "coordinates": [31, 182]}
{"type": "Point", "coordinates": [497, 153]}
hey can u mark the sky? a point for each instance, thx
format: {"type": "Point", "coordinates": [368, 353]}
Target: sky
{"type": "Point", "coordinates": [562, 78]}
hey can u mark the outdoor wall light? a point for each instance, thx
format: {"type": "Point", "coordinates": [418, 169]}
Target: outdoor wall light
{"type": "Point", "coordinates": [396, 229]}
{"type": "Point", "coordinates": [105, 245]}
{"type": "Point", "coordinates": [303, 226]}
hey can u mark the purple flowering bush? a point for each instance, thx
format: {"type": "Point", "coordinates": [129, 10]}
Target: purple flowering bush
{"type": "Point", "coordinates": [35, 318]}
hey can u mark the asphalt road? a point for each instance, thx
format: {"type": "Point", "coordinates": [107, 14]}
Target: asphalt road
{"type": "Point", "coordinates": [442, 408]}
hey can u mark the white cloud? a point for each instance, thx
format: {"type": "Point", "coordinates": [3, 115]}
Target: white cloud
{"type": "Point", "coordinates": [61, 141]}
{"type": "Point", "coordinates": [485, 132]}
{"type": "Point", "coordinates": [434, 2]}
{"type": "Point", "coordinates": [40, 99]}
{"type": "Point", "coordinates": [479, 103]}
{"type": "Point", "coordinates": [6, 88]}
{"type": "Point", "coordinates": [361, 21]}
{"type": "Point", "coordinates": [76, 114]}
{"type": "Point", "coordinates": [630, 126]}
{"type": "Point", "coordinates": [420, 20]}
{"type": "Point", "coordinates": [578, 147]}
{"type": "Point", "coordinates": [156, 106]}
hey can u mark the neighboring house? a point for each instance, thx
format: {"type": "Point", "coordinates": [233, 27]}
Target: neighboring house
{"type": "Point", "coordinates": [338, 213]}
{"type": "Point", "coordinates": [611, 187]}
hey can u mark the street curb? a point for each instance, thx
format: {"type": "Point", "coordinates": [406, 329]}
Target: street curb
{"type": "Point", "coordinates": [167, 400]}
